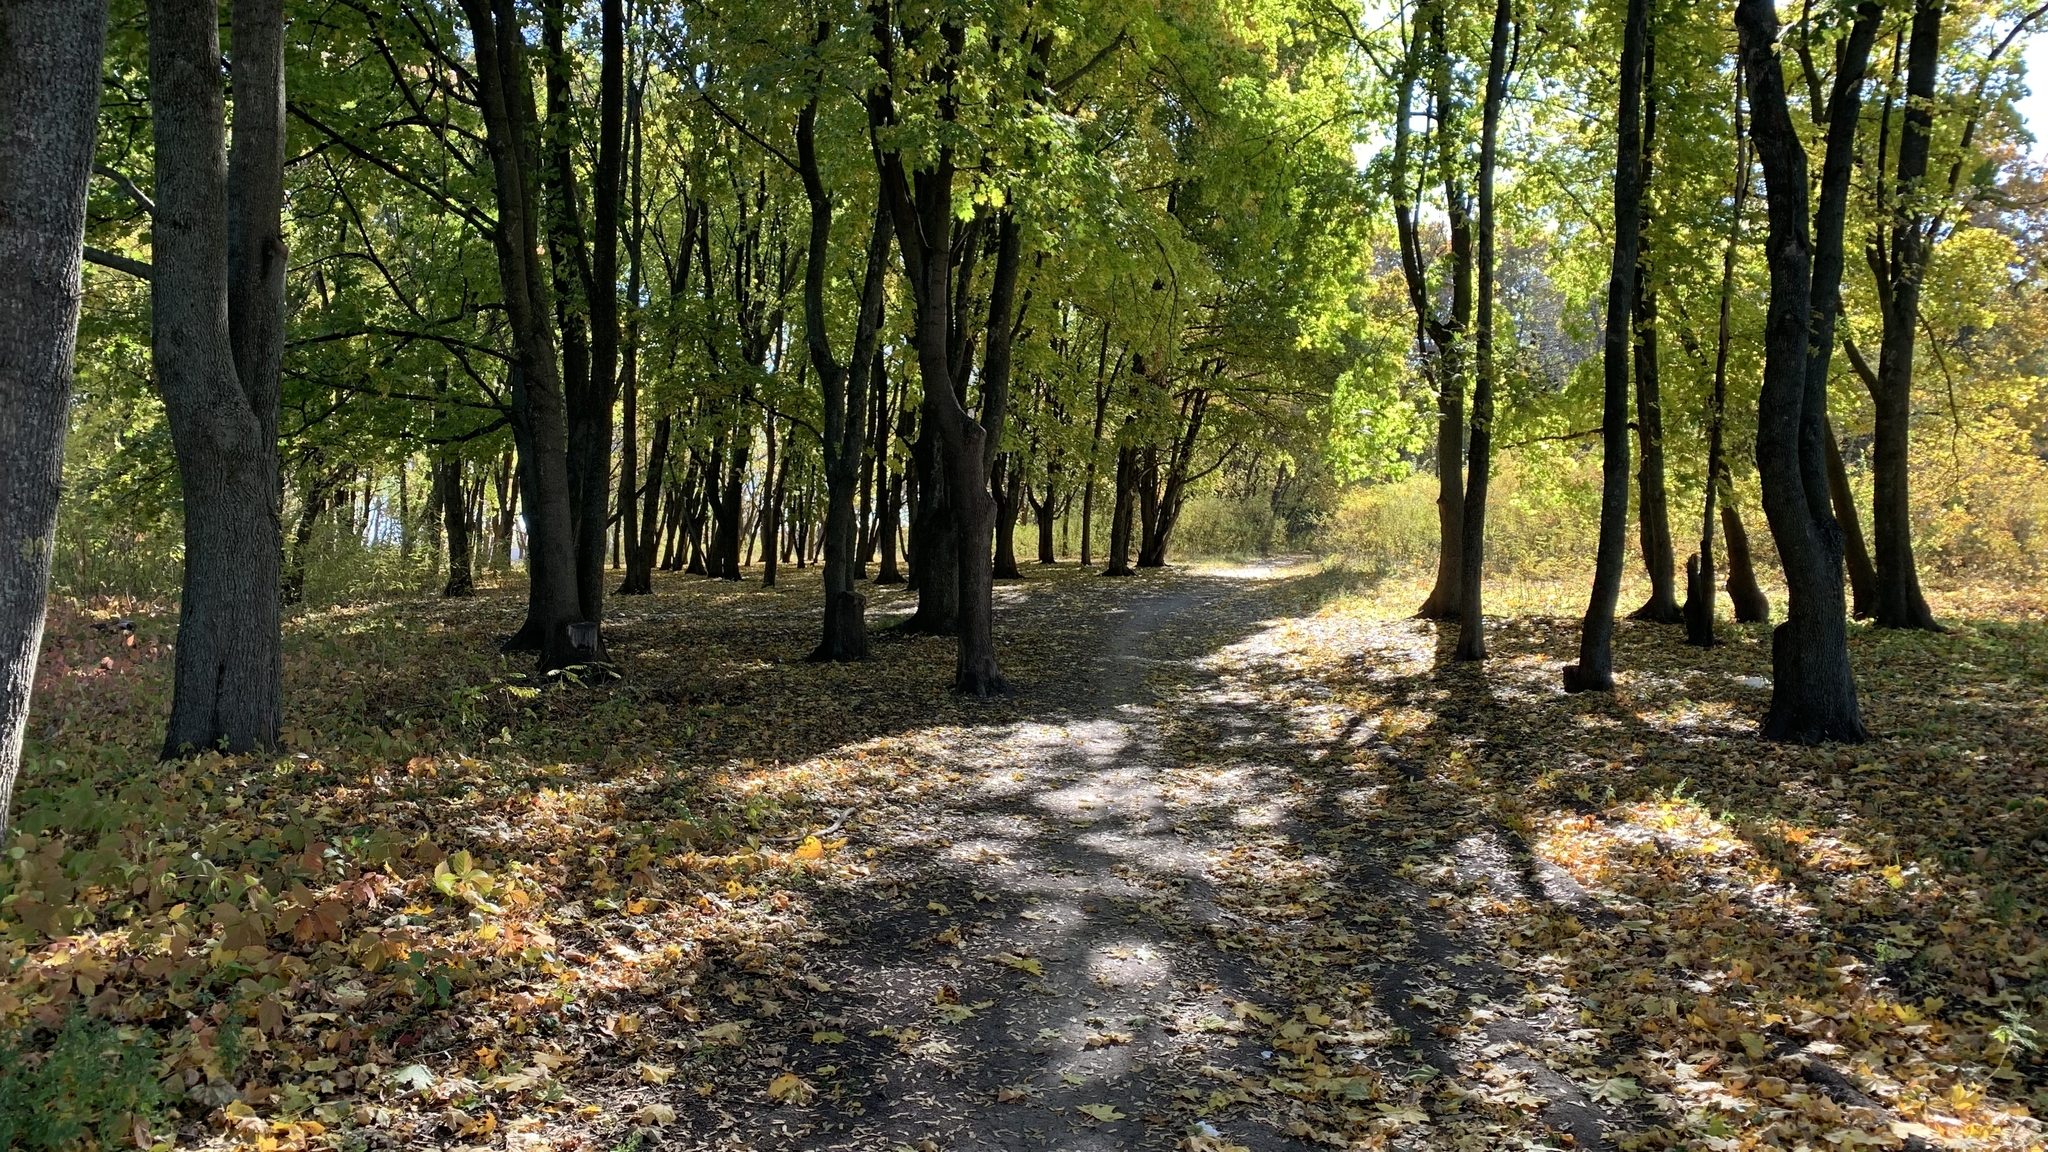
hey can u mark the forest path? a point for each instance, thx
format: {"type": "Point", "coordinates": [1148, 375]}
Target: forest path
{"type": "Point", "coordinates": [1133, 919]}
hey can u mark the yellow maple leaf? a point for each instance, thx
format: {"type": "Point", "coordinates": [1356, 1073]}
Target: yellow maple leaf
{"type": "Point", "coordinates": [789, 1088]}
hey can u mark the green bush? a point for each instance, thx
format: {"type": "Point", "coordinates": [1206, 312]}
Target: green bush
{"type": "Point", "coordinates": [87, 1079]}
{"type": "Point", "coordinates": [1540, 522]}
{"type": "Point", "coordinates": [1224, 526]}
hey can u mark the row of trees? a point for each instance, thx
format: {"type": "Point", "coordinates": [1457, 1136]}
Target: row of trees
{"type": "Point", "coordinates": [671, 281]}
{"type": "Point", "coordinates": [1897, 177]}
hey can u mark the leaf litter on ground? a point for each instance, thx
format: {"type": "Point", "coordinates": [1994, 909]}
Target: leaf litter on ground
{"type": "Point", "coordinates": [471, 901]}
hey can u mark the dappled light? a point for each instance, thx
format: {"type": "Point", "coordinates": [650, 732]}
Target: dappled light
{"type": "Point", "coordinates": [1241, 857]}
{"type": "Point", "coordinates": [1084, 576]}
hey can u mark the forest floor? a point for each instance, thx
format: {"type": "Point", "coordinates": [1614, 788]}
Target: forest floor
{"type": "Point", "coordinates": [1244, 862]}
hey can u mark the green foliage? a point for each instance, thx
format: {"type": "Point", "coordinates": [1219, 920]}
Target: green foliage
{"type": "Point", "coordinates": [87, 1078]}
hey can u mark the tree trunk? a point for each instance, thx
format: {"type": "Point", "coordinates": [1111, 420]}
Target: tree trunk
{"type": "Point", "coordinates": [729, 507]}
{"type": "Point", "coordinates": [934, 554]}
{"type": "Point", "coordinates": [506, 483]}
{"type": "Point", "coordinates": [1699, 570]}
{"type": "Point", "coordinates": [1046, 514]}
{"type": "Point", "coordinates": [1148, 502]}
{"type": "Point", "coordinates": [892, 514]}
{"type": "Point", "coordinates": [455, 521]}
{"type": "Point", "coordinates": [640, 549]}
{"type": "Point", "coordinates": [774, 474]}
{"type": "Point", "coordinates": [505, 93]}
{"type": "Point", "coordinates": [1744, 593]}
{"type": "Point", "coordinates": [629, 464]}
{"type": "Point", "coordinates": [1447, 334]}
{"type": "Point", "coordinates": [1479, 451]}
{"type": "Point", "coordinates": [312, 503]}
{"type": "Point", "coordinates": [922, 203]}
{"type": "Point", "coordinates": [1653, 513]}
{"type": "Point", "coordinates": [1842, 114]}
{"type": "Point", "coordinates": [1813, 693]}
{"type": "Point", "coordinates": [50, 56]}
{"type": "Point", "coordinates": [217, 294]}
{"type": "Point", "coordinates": [1121, 514]}
{"type": "Point", "coordinates": [846, 392]}
{"type": "Point", "coordinates": [586, 282]}
{"type": "Point", "coordinates": [1595, 670]}
{"type": "Point", "coordinates": [1008, 490]}
{"type": "Point", "coordinates": [1900, 603]}
{"type": "Point", "coordinates": [1862, 576]}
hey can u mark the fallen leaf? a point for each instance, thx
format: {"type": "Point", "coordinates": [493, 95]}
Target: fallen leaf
{"type": "Point", "coordinates": [789, 1088]}
{"type": "Point", "coordinates": [654, 1116]}
{"type": "Point", "coordinates": [730, 1032]}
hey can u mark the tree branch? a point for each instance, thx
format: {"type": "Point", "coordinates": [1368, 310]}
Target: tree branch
{"type": "Point", "coordinates": [119, 263]}
{"type": "Point", "coordinates": [136, 194]}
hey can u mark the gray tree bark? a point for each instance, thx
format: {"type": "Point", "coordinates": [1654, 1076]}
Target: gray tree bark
{"type": "Point", "coordinates": [49, 108]}
{"type": "Point", "coordinates": [217, 339]}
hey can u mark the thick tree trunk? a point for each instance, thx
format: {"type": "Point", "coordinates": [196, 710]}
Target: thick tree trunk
{"type": "Point", "coordinates": [218, 307]}
{"type": "Point", "coordinates": [1148, 501]}
{"type": "Point", "coordinates": [922, 204]}
{"type": "Point", "coordinates": [1595, 670]}
{"type": "Point", "coordinates": [1900, 603]}
{"type": "Point", "coordinates": [506, 97]}
{"type": "Point", "coordinates": [1813, 693]}
{"type": "Point", "coordinates": [1479, 451]}
{"type": "Point", "coordinates": [49, 107]}
{"type": "Point", "coordinates": [455, 521]}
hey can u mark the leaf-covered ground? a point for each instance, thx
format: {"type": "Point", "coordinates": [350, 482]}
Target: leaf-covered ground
{"type": "Point", "coordinates": [1245, 862]}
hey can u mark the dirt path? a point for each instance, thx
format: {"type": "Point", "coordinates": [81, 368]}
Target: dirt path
{"type": "Point", "coordinates": [1132, 921]}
